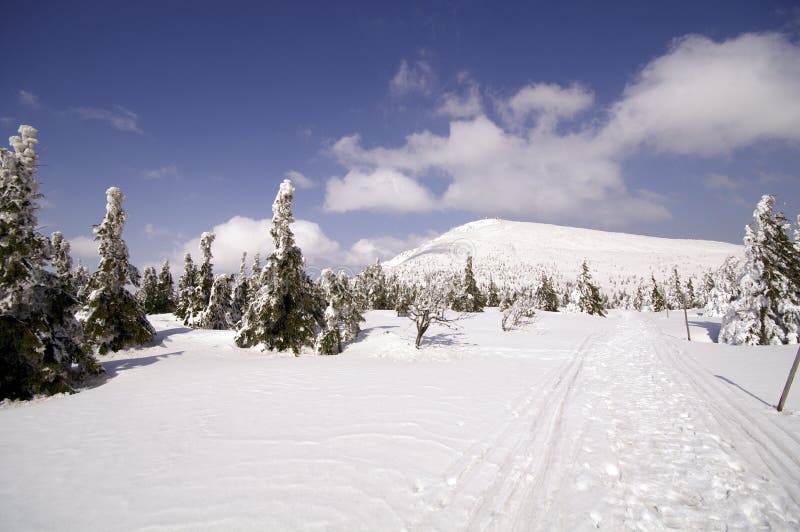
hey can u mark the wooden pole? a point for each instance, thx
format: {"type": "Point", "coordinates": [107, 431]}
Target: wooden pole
{"type": "Point", "coordinates": [686, 320]}
{"type": "Point", "coordinates": [792, 372]}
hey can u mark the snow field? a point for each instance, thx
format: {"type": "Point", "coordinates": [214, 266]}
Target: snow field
{"type": "Point", "coordinates": [573, 423]}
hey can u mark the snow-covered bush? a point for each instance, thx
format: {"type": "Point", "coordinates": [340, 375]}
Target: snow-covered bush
{"type": "Point", "coordinates": [519, 312]}
{"type": "Point", "coordinates": [429, 304]}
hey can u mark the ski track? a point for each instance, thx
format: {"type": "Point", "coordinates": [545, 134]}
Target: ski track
{"type": "Point", "coordinates": [629, 433]}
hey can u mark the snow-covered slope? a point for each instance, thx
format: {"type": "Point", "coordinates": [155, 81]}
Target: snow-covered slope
{"type": "Point", "coordinates": [503, 248]}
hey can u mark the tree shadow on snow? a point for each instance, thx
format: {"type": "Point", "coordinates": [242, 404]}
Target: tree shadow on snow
{"type": "Point", "coordinates": [449, 339]}
{"type": "Point", "coordinates": [751, 394]}
{"type": "Point", "coordinates": [710, 326]}
{"type": "Point", "coordinates": [114, 367]}
{"type": "Point", "coordinates": [166, 333]}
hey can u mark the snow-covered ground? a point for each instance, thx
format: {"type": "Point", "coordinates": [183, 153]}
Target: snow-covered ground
{"type": "Point", "coordinates": [573, 423]}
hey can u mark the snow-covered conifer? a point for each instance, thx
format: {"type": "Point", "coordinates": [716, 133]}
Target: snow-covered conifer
{"type": "Point", "coordinates": [239, 295]}
{"type": "Point", "coordinates": [187, 285]}
{"type": "Point", "coordinates": [468, 297]}
{"type": "Point", "coordinates": [493, 296]}
{"type": "Point", "coordinates": [62, 261]}
{"type": "Point", "coordinates": [724, 288]}
{"type": "Point", "coordinates": [371, 287]}
{"type": "Point", "coordinates": [216, 315]}
{"type": "Point", "coordinates": [767, 310]}
{"type": "Point", "coordinates": [256, 272]}
{"type": "Point", "coordinates": [206, 273]}
{"type": "Point", "coordinates": [166, 289]}
{"type": "Point", "coordinates": [115, 320]}
{"type": "Point", "coordinates": [586, 295]}
{"type": "Point", "coordinates": [80, 283]}
{"type": "Point", "coordinates": [40, 340]}
{"type": "Point", "coordinates": [674, 291]}
{"type": "Point", "coordinates": [286, 312]}
{"type": "Point", "coordinates": [147, 295]}
{"type": "Point", "coordinates": [546, 296]}
{"type": "Point", "coordinates": [657, 302]}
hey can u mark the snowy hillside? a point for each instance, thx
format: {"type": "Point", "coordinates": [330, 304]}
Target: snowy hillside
{"type": "Point", "coordinates": [503, 248]}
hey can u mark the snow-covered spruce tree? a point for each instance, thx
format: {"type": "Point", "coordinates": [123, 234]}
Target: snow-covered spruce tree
{"type": "Point", "coordinates": [147, 295]}
{"type": "Point", "coordinates": [469, 299]}
{"type": "Point", "coordinates": [62, 261]}
{"type": "Point", "coordinates": [216, 315]}
{"type": "Point", "coordinates": [206, 273]}
{"type": "Point", "coordinates": [256, 273]}
{"type": "Point", "coordinates": [285, 312]}
{"type": "Point", "coordinates": [329, 339]}
{"type": "Point", "coordinates": [239, 295]}
{"type": "Point", "coordinates": [371, 287]}
{"type": "Point", "coordinates": [166, 290]}
{"type": "Point", "coordinates": [586, 294]}
{"type": "Point", "coordinates": [767, 310]}
{"type": "Point", "coordinates": [80, 283]}
{"type": "Point", "coordinates": [115, 320]}
{"type": "Point", "coordinates": [691, 294]}
{"type": "Point", "coordinates": [351, 316]}
{"type": "Point", "coordinates": [493, 295]}
{"type": "Point", "coordinates": [657, 302]}
{"type": "Point", "coordinates": [546, 296]}
{"type": "Point", "coordinates": [724, 288]}
{"type": "Point", "coordinates": [41, 348]}
{"type": "Point", "coordinates": [674, 291]}
{"type": "Point", "coordinates": [187, 285]}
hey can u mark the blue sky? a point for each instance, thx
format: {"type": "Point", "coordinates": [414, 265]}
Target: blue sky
{"type": "Point", "coordinates": [667, 119]}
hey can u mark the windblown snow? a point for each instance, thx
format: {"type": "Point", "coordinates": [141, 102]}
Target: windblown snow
{"type": "Point", "coordinates": [502, 248]}
{"type": "Point", "coordinates": [573, 423]}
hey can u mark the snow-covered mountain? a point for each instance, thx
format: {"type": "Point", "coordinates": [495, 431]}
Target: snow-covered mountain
{"type": "Point", "coordinates": [512, 252]}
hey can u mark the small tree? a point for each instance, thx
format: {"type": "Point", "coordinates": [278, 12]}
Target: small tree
{"type": "Point", "coordinates": [493, 296]}
{"type": "Point", "coordinates": [148, 295]}
{"type": "Point", "coordinates": [546, 296]}
{"type": "Point", "coordinates": [62, 262]}
{"type": "Point", "coordinates": [285, 313]}
{"type": "Point", "coordinates": [240, 296]}
{"type": "Point", "coordinates": [468, 297]}
{"type": "Point", "coordinates": [656, 297]}
{"type": "Point", "coordinates": [187, 285]}
{"type": "Point", "coordinates": [115, 320]}
{"type": "Point", "coordinates": [216, 315]}
{"type": "Point", "coordinates": [429, 305]}
{"type": "Point", "coordinates": [80, 283]}
{"type": "Point", "coordinates": [587, 294]}
{"type": "Point", "coordinates": [166, 290]}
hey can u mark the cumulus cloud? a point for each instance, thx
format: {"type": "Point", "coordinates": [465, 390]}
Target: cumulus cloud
{"type": "Point", "coordinates": [380, 189]}
{"type": "Point", "coordinates": [546, 100]}
{"type": "Point", "coordinates": [701, 98]}
{"type": "Point", "coordinates": [84, 248]}
{"type": "Point", "coordinates": [118, 117]}
{"type": "Point", "coordinates": [709, 98]}
{"type": "Point", "coordinates": [467, 105]}
{"type": "Point", "coordinates": [29, 99]}
{"type": "Point", "coordinates": [299, 180]}
{"type": "Point", "coordinates": [415, 77]}
{"type": "Point", "coordinates": [241, 233]}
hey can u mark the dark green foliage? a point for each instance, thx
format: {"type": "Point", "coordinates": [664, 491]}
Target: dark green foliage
{"type": "Point", "coordinates": [186, 288]}
{"type": "Point", "coordinates": [493, 296]}
{"type": "Point", "coordinates": [590, 300]}
{"type": "Point", "coordinates": [657, 297]}
{"type": "Point", "coordinates": [546, 296]}
{"type": "Point", "coordinates": [470, 299]}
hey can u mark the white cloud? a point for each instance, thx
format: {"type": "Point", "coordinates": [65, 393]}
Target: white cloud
{"type": "Point", "coordinates": [380, 189]}
{"type": "Point", "coordinates": [416, 77]}
{"type": "Point", "coordinates": [153, 232]}
{"type": "Point", "coordinates": [119, 117]}
{"type": "Point", "coordinates": [299, 179]}
{"type": "Point", "coordinates": [701, 98]}
{"type": "Point", "coordinates": [547, 100]}
{"type": "Point", "coordinates": [170, 170]}
{"type": "Point", "coordinates": [367, 250]}
{"type": "Point", "coordinates": [29, 99]}
{"type": "Point", "coordinates": [709, 98]}
{"type": "Point", "coordinates": [84, 248]}
{"type": "Point", "coordinates": [456, 105]}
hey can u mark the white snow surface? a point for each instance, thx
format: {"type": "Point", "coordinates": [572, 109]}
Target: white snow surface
{"type": "Point", "coordinates": [573, 423]}
{"type": "Point", "coordinates": [522, 245]}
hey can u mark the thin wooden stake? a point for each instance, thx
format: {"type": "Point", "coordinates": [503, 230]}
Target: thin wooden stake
{"type": "Point", "coordinates": [785, 393]}
{"type": "Point", "coordinates": [686, 319]}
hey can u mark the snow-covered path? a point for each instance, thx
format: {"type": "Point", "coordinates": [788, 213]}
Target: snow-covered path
{"type": "Point", "coordinates": [573, 424]}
